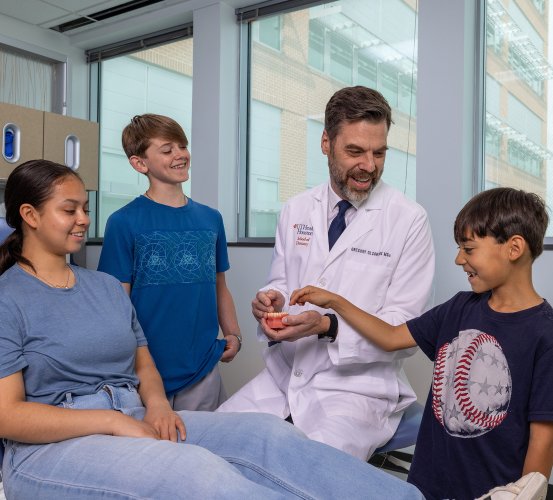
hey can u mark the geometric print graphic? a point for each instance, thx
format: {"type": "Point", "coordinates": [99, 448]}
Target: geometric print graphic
{"type": "Point", "coordinates": [471, 386]}
{"type": "Point", "coordinates": [171, 257]}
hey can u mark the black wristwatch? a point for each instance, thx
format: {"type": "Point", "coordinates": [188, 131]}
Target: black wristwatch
{"type": "Point", "coordinates": [332, 333]}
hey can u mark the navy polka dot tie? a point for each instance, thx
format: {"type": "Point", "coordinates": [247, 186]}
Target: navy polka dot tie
{"type": "Point", "coordinates": [338, 224]}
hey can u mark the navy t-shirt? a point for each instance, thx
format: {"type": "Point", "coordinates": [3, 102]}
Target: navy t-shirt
{"type": "Point", "coordinates": [171, 257]}
{"type": "Point", "coordinates": [492, 376]}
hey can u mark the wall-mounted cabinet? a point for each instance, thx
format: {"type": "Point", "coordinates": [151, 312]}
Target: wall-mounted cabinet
{"type": "Point", "coordinates": [28, 134]}
{"type": "Point", "coordinates": [73, 142]}
{"type": "Point", "coordinates": [22, 136]}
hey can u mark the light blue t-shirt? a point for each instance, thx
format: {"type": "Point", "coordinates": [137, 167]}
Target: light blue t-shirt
{"type": "Point", "coordinates": [67, 340]}
{"type": "Point", "coordinates": [171, 257]}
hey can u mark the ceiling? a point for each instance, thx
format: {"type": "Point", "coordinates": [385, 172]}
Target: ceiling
{"type": "Point", "coordinates": [52, 13]}
{"type": "Point", "coordinates": [87, 20]}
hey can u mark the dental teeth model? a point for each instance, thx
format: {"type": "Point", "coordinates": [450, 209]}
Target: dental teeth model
{"type": "Point", "coordinates": [274, 320]}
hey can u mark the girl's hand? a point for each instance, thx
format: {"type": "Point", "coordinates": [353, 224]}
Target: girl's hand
{"type": "Point", "coordinates": [313, 295]}
{"type": "Point", "coordinates": [126, 426]}
{"type": "Point", "coordinates": [166, 422]}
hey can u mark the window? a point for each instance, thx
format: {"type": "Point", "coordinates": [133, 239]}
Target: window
{"type": "Point", "coordinates": [265, 169]}
{"type": "Point", "coordinates": [341, 58]}
{"type": "Point", "coordinates": [156, 80]}
{"type": "Point", "coordinates": [317, 165]}
{"type": "Point", "coordinates": [268, 32]}
{"type": "Point", "coordinates": [30, 80]}
{"type": "Point", "coordinates": [316, 45]}
{"type": "Point", "coordinates": [518, 143]}
{"type": "Point", "coordinates": [366, 71]}
{"type": "Point", "coordinates": [323, 48]}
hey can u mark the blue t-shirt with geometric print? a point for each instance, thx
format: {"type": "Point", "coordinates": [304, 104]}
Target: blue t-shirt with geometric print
{"type": "Point", "coordinates": [171, 256]}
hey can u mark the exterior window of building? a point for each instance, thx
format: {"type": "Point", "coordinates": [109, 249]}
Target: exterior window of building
{"type": "Point", "coordinates": [316, 45]}
{"type": "Point", "coordinates": [523, 158]}
{"type": "Point", "coordinates": [341, 58]}
{"type": "Point", "coordinates": [540, 5]}
{"type": "Point", "coordinates": [268, 32]}
{"type": "Point", "coordinates": [493, 37]}
{"type": "Point", "coordinates": [389, 83]}
{"type": "Point", "coordinates": [407, 87]}
{"type": "Point", "coordinates": [323, 48]}
{"type": "Point", "coordinates": [519, 113]}
{"type": "Point", "coordinates": [366, 71]}
{"type": "Point", "coordinates": [493, 142]}
{"type": "Point", "coordinates": [156, 80]}
{"type": "Point", "coordinates": [317, 164]}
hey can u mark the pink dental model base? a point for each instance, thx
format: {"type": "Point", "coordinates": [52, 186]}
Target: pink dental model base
{"type": "Point", "coordinates": [274, 320]}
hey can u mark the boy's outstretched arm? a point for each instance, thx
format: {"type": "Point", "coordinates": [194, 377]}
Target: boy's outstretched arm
{"type": "Point", "coordinates": [226, 313]}
{"type": "Point", "coordinates": [384, 335]}
{"type": "Point", "coordinates": [539, 457]}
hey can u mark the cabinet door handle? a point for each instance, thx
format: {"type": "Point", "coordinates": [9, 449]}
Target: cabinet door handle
{"type": "Point", "coordinates": [11, 142]}
{"type": "Point", "coordinates": [72, 152]}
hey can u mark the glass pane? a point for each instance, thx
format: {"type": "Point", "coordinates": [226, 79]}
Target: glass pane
{"type": "Point", "coordinates": [323, 49]}
{"type": "Point", "coordinates": [518, 144]}
{"type": "Point", "coordinates": [269, 32]}
{"type": "Point", "coordinates": [157, 80]}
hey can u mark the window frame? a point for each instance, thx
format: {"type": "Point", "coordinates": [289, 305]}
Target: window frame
{"type": "Point", "coordinates": [94, 59]}
{"type": "Point", "coordinates": [245, 18]}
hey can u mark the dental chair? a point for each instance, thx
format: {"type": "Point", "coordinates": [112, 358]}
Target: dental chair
{"type": "Point", "coordinates": [389, 457]}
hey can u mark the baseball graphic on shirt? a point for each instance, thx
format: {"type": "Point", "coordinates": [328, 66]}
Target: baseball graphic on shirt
{"type": "Point", "coordinates": [471, 388]}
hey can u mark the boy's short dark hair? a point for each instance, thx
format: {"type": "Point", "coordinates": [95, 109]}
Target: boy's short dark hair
{"type": "Point", "coordinates": [142, 129]}
{"type": "Point", "coordinates": [353, 104]}
{"type": "Point", "coordinates": [501, 213]}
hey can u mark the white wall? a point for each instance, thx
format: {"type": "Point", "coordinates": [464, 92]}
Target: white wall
{"type": "Point", "coordinates": [444, 148]}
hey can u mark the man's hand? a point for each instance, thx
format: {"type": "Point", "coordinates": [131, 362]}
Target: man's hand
{"type": "Point", "coordinates": [166, 422]}
{"type": "Point", "coordinates": [231, 348]}
{"type": "Point", "coordinates": [265, 302]}
{"type": "Point", "coordinates": [298, 326]}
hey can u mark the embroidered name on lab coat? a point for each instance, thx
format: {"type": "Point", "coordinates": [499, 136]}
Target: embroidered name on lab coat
{"type": "Point", "coordinates": [370, 252]}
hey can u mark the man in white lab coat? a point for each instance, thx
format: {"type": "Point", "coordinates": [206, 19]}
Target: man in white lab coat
{"type": "Point", "coordinates": [320, 373]}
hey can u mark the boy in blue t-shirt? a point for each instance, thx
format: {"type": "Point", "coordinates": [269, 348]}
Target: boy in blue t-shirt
{"type": "Point", "coordinates": [489, 415]}
{"type": "Point", "coordinates": [170, 253]}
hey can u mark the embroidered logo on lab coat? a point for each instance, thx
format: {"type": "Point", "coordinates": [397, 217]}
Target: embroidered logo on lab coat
{"type": "Point", "coordinates": [471, 388]}
{"type": "Point", "coordinates": [303, 234]}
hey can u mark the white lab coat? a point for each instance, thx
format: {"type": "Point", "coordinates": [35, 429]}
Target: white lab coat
{"type": "Point", "coordinates": [347, 394]}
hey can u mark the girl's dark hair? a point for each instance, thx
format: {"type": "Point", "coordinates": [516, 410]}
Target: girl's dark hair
{"type": "Point", "coordinates": [501, 213]}
{"type": "Point", "coordinates": [31, 182]}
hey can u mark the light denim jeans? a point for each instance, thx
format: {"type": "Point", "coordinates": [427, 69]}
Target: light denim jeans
{"type": "Point", "coordinates": [225, 455]}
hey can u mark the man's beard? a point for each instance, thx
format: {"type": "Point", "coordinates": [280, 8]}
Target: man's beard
{"type": "Point", "coordinates": [341, 182]}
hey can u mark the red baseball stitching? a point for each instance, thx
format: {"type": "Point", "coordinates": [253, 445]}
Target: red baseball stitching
{"type": "Point", "coordinates": [461, 391]}
{"type": "Point", "coordinates": [437, 383]}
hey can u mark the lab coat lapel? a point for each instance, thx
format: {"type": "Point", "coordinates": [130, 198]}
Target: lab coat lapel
{"type": "Point", "coordinates": [319, 220]}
